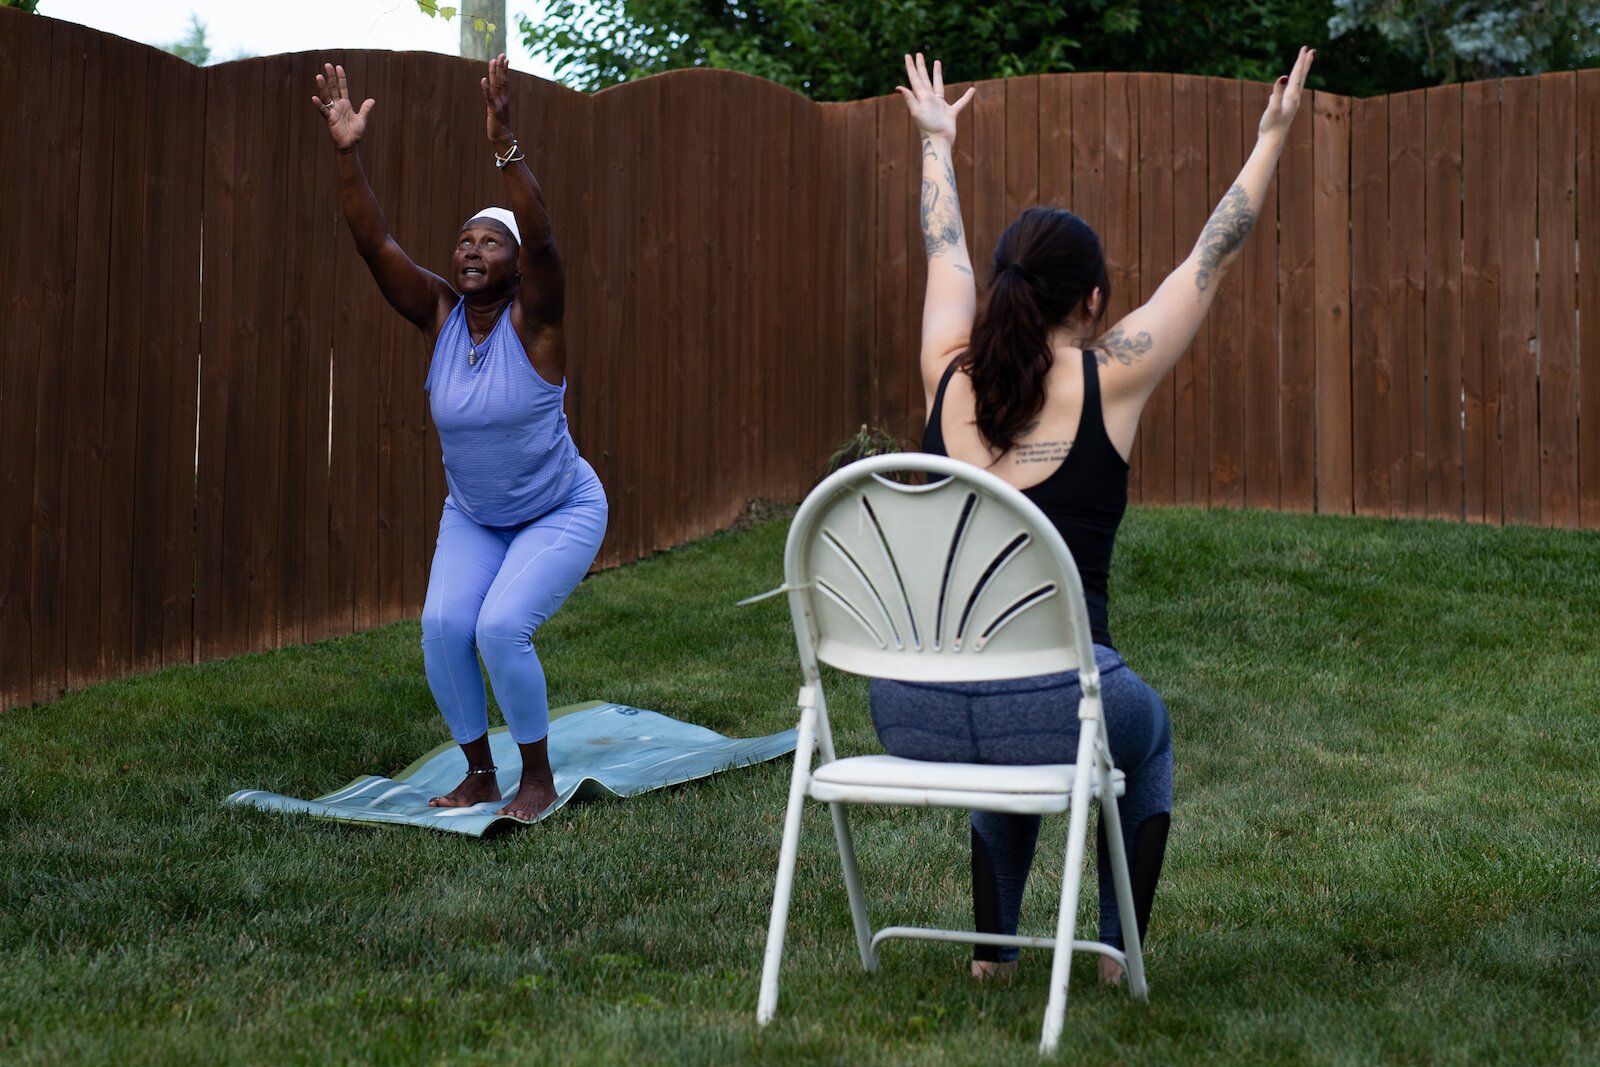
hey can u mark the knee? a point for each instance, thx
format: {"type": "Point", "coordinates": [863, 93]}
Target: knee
{"type": "Point", "coordinates": [452, 624]}
{"type": "Point", "coordinates": [504, 630]}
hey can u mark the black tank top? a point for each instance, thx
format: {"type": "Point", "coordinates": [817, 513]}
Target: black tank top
{"type": "Point", "coordinates": [1085, 497]}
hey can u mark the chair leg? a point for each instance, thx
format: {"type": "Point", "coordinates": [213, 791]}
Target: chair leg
{"type": "Point", "coordinates": [852, 886]}
{"type": "Point", "coordinates": [805, 741]}
{"type": "Point", "coordinates": [1055, 1012]}
{"type": "Point", "coordinates": [1132, 947]}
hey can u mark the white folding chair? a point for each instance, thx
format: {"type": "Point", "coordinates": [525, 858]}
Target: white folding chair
{"type": "Point", "coordinates": [963, 579]}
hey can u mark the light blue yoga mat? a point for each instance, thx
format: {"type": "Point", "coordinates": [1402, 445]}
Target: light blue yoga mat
{"type": "Point", "coordinates": [596, 749]}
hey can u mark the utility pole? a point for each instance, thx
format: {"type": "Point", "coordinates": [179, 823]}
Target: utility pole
{"type": "Point", "coordinates": [474, 44]}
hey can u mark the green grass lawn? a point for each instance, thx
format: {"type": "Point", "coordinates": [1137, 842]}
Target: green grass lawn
{"type": "Point", "coordinates": [1384, 845]}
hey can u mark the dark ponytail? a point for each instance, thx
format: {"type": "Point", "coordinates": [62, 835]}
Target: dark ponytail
{"type": "Point", "coordinates": [1047, 263]}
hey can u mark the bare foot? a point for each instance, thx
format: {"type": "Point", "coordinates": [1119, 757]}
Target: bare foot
{"type": "Point", "coordinates": [531, 800]}
{"type": "Point", "coordinates": [474, 789]}
{"type": "Point", "coordinates": [1111, 972]}
{"type": "Point", "coordinates": [994, 970]}
{"type": "Point", "coordinates": [537, 790]}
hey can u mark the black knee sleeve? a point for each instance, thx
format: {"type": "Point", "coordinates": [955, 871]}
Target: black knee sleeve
{"type": "Point", "coordinates": [1152, 850]}
{"type": "Point", "coordinates": [985, 908]}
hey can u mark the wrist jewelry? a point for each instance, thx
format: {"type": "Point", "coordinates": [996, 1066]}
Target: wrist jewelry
{"type": "Point", "coordinates": [513, 155]}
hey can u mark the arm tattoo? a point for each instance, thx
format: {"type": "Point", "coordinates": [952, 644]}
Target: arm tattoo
{"type": "Point", "coordinates": [1223, 235]}
{"type": "Point", "coordinates": [941, 214]}
{"type": "Point", "coordinates": [1127, 350]}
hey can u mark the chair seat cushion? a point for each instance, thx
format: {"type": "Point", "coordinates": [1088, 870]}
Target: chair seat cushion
{"type": "Point", "coordinates": [892, 780]}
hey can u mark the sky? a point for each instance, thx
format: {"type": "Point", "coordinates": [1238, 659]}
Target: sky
{"type": "Point", "coordinates": [268, 27]}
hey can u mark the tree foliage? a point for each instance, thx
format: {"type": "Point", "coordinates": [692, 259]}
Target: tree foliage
{"type": "Point", "coordinates": [192, 48]}
{"type": "Point", "coordinates": [30, 6]}
{"type": "Point", "coordinates": [842, 50]}
{"type": "Point", "coordinates": [1459, 40]}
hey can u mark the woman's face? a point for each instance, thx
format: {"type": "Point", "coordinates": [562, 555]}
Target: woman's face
{"type": "Point", "coordinates": [485, 259]}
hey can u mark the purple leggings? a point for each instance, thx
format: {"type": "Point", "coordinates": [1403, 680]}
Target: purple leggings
{"type": "Point", "coordinates": [490, 589]}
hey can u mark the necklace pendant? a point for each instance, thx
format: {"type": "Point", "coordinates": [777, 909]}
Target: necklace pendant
{"type": "Point", "coordinates": [472, 358]}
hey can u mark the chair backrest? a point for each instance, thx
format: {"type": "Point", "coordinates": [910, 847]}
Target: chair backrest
{"type": "Point", "coordinates": [961, 579]}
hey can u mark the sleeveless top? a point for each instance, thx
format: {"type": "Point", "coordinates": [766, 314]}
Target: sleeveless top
{"type": "Point", "coordinates": [507, 455]}
{"type": "Point", "coordinates": [1084, 498]}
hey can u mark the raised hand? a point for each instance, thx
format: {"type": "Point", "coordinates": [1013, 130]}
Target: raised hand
{"type": "Point", "coordinates": [497, 100]}
{"type": "Point", "coordinates": [334, 102]}
{"type": "Point", "coordinates": [1285, 100]}
{"type": "Point", "coordinates": [934, 116]}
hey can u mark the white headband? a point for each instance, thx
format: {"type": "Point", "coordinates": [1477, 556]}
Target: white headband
{"type": "Point", "coordinates": [500, 215]}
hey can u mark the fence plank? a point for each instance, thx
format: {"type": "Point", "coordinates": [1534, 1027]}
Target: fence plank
{"type": "Point", "coordinates": [27, 295]}
{"type": "Point", "coordinates": [1297, 296]}
{"type": "Point", "coordinates": [860, 264]}
{"type": "Point", "coordinates": [1157, 258]}
{"type": "Point", "coordinates": [223, 82]}
{"type": "Point", "coordinates": [266, 167]}
{"type": "Point", "coordinates": [1021, 145]}
{"type": "Point", "coordinates": [1331, 148]}
{"type": "Point", "coordinates": [1120, 236]}
{"type": "Point", "coordinates": [1373, 361]}
{"type": "Point", "coordinates": [1519, 367]}
{"type": "Point", "coordinates": [1480, 300]}
{"type": "Point", "coordinates": [312, 223]}
{"type": "Point", "coordinates": [1406, 293]}
{"type": "Point", "coordinates": [1442, 351]}
{"type": "Point", "coordinates": [1558, 303]}
{"type": "Point", "coordinates": [130, 316]}
{"type": "Point", "coordinates": [1089, 149]}
{"type": "Point", "coordinates": [85, 381]}
{"type": "Point", "coordinates": [384, 338]}
{"type": "Point", "coordinates": [898, 181]}
{"type": "Point", "coordinates": [838, 411]}
{"type": "Point", "coordinates": [1055, 141]}
{"type": "Point", "coordinates": [56, 274]}
{"type": "Point", "coordinates": [152, 264]}
{"type": "Point", "coordinates": [1192, 205]}
{"type": "Point", "coordinates": [817, 369]}
{"type": "Point", "coordinates": [1258, 268]}
{"type": "Point", "coordinates": [988, 151]}
{"type": "Point", "coordinates": [1226, 323]}
{"type": "Point", "coordinates": [177, 227]}
{"type": "Point", "coordinates": [1588, 207]}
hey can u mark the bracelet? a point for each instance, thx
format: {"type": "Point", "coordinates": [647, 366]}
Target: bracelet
{"type": "Point", "coordinates": [513, 155]}
{"type": "Point", "coordinates": [482, 770]}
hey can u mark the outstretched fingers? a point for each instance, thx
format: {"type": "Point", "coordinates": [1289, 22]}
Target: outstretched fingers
{"type": "Point", "coordinates": [913, 79]}
{"type": "Point", "coordinates": [1297, 77]}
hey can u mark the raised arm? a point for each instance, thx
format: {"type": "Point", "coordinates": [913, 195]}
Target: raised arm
{"type": "Point", "coordinates": [951, 298]}
{"type": "Point", "coordinates": [542, 293]}
{"type": "Point", "coordinates": [1138, 351]}
{"type": "Point", "coordinates": [421, 296]}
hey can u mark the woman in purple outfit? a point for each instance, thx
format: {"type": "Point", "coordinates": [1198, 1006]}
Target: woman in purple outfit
{"type": "Point", "coordinates": [525, 513]}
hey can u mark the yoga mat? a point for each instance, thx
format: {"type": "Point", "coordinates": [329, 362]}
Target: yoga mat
{"type": "Point", "coordinates": [596, 749]}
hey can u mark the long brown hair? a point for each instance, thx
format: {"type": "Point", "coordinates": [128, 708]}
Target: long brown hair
{"type": "Point", "coordinates": [1046, 265]}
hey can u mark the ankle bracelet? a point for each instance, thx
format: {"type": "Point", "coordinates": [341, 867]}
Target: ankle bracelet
{"type": "Point", "coordinates": [482, 770]}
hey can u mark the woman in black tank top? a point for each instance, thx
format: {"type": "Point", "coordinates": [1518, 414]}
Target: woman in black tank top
{"type": "Point", "coordinates": [1018, 387]}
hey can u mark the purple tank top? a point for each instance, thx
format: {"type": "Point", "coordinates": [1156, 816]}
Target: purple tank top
{"type": "Point", "coordinates": [507, 455]}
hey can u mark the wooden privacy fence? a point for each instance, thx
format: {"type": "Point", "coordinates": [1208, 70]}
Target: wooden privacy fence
{"type": "Point", "coordinates": [213, 434]}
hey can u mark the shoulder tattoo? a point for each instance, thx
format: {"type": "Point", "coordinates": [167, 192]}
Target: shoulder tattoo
{"type": "Point", "coordinates": [1124, 349]}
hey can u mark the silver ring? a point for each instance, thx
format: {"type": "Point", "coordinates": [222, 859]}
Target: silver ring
{"type": "Point", "coordinates": [328, 106]}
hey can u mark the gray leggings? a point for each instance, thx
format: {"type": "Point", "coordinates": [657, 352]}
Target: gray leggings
{"type": "Point", "coordinates": [1035, 720]}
